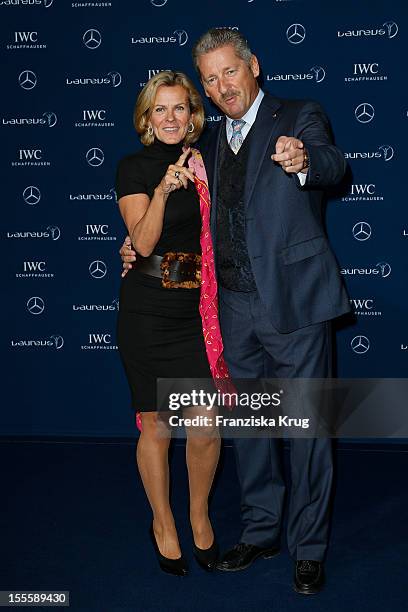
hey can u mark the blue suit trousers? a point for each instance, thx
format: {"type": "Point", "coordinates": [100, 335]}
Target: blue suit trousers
{"type": "Point", "coordinates": [253, 348]}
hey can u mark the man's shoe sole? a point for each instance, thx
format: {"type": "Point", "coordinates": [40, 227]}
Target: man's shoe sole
{"type": "Point", "coordinates": [267, 554]}
{"type": "Point", "coordinates": [305, 591]}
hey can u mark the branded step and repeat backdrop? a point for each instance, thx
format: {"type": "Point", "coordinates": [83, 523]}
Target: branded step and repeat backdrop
{"type": "Point", "coordinates": [71, 72]}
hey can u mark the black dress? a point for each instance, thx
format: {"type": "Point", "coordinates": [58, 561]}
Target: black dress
{"type": "Point", "coordinates": [159, 329]}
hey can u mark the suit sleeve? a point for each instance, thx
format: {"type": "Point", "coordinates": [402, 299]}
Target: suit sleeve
{"type": "Point", "coordinates": [327, 163]}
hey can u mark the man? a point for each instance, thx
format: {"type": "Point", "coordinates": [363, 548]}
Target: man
{"type": "Point", "coordinates": [279, 286]}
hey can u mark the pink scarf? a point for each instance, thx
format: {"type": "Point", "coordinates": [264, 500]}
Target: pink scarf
{"type": "Point", "coordinates": [208, 306]}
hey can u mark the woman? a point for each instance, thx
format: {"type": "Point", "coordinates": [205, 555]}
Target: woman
{"type": "Point", "coordinates": [160, 332]}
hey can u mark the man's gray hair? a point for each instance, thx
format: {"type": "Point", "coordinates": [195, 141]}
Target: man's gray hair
{"type": "Point", "coordinates": [220, 37]}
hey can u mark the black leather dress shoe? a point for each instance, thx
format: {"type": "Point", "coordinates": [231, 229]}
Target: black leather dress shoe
{"type": "Point", "coordinates": [242, 555]}
{"type": "Point", "coordinates": [309, 577]}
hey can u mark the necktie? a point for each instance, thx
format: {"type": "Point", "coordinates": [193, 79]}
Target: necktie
{"type": "Point", "coordinates": [236, 139]}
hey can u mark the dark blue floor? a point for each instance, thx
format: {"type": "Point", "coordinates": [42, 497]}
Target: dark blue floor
{"type": "Point", "coordinates": [74, 517]}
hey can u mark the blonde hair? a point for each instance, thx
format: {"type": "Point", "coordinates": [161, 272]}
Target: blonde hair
{"type": "Point", "coordinates": [145, 101]}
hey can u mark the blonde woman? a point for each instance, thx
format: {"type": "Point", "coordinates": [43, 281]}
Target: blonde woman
{"type": "Point", "coordinates": [160, 331]}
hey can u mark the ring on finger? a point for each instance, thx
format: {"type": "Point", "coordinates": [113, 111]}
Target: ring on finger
{"type": "Point", "coordinates": [177, 174]}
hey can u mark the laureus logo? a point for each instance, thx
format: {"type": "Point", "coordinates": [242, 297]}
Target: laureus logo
{"type": "Point", "coordinates": [178, 36]}
{"type": "Point", "coordinates": [116, 78]}
{"type": "Point", "coordinates": [391, 28]}
{"type": "Point", "coordinates": [58, 342]}
{"type": "Point", "coordinates": [387, 152]}
{"type": "Point", "coordinates": [384, 152]}
{"type": "Point", "coordinates": [48, 120]}
{"type": "Point", "coordinates": [112, 78]}
{"type": "Point", "coordinates": [182, 37]}
{"type": "Point", "coordinates": [51, 119]}
{"type": "Point", "coordinates": [54, 341]}
{"type": "Point", "coordinates": [385, 268]}
{"type": "Point", "coordinates": [54, 231]}
{"type": "Point", "coordinates": [319, 73]}
{"type": "Point", "coordinates": [381, 269]}
{"type": "Point", "coordinates": [114, 306]}
{"type": "Point", "coordinates": [315, 73]}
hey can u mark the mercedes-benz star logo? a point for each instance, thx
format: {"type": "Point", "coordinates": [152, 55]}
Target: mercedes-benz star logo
{"type": "Point", "coordinates": [92, 38]}
{"type": "Point", "coordinates": [360, 344]}
{"type": "Point", "coordinates": [392, 28]}
{"type": "Point", "coordinates": [319, 73]}
{"type": "Point", "coordinates": [97, 269]}
{"type": "Point", "coordinates": [35, 305]}
{"type": "Point", "coordinates": [27, 79]}
{"type": "Point", "coordinates": [95, 157]}
{"type": "Point", "coordinates": [364, 112]}
{"type": "Point", "coordinates": [362, 231]}
{"type": "Point", "coordinates": [158, 2]}
{"type": "Point", "coordinates": [116, 78]}
{"type": "Point", "coordinates": [31, 195]}
{"type": "Point", "coordinates": [51, 119]}
{"type": "Point", "coordinates": [47, 3]}
{"type": "Point", "coordinates": [387, 151]}
{"type": "Point", "coordinates": [385, 268]}
{"type": "Point", "coordinates": [296, 33]}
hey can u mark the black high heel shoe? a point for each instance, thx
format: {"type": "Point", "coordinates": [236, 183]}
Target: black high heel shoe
{"type": "Point", "coordinates": [177, 567]}
{"type": "Point", "coordinates": [207, 557]}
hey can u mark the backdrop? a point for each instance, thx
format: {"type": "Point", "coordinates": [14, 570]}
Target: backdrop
{"type": "Point", "coordinates": [71, 72]}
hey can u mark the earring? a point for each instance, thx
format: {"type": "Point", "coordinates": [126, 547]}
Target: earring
{"type": "Point", "coordinates": [191, 128]}
{"type": "Point", "coordinates": [150, 131]}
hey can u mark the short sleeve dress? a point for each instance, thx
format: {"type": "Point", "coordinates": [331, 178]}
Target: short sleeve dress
{"type": "Point", "coordinates": [159, 330]}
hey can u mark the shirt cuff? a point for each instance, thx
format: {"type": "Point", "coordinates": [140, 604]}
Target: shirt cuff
{"type": "Point", "coordinates": [302, 178]}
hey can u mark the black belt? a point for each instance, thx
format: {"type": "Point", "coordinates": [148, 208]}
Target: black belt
{"type": "Point", "coordinates": [149, 265]}
{"type": "Point", "coordinates": [176, 269]}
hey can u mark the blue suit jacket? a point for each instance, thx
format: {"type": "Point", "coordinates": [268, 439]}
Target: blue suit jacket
{"type": "Point", "coordinates": [295, 271]}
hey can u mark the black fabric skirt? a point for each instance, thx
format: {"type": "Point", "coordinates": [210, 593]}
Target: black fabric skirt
{"type": "Point", "coordinates": [159, 335]}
